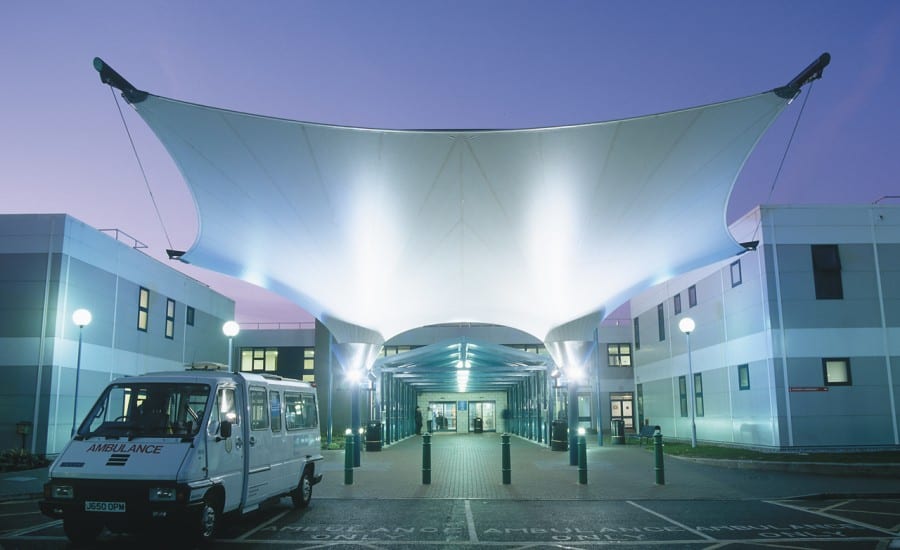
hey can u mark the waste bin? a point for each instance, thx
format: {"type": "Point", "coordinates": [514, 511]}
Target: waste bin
{"type": "Point", "coordinates": [559, 435]}
{"type": "Point", "coordinates": [478, 425]}
{"type": "Point", "coordinates": [618, 431]}
{"type": "Point", "coordinates": [373, 436]}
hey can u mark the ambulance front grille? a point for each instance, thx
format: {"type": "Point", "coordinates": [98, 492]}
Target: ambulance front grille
{"type": "Point", "coordinates": [117, 459]}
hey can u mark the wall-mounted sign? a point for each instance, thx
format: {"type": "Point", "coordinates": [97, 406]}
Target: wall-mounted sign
{"type": "Point", "coordinates": [809, 388]}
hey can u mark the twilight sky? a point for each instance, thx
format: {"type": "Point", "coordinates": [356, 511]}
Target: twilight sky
{"type": "Point", "coordinates": [439, 64]}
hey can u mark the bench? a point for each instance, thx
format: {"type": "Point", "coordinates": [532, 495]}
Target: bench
{"type": "Point", "coordinates": [647, 432]}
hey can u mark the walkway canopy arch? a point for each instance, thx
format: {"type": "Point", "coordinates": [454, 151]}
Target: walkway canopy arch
{"type": "Point", "coordinates": [377, 231]}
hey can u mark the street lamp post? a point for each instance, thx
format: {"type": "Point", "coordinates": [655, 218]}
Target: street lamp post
{"type": "Point", "coordinates": [231, 329]}
{"type": "Point", "coordinates": [687, 325]}
{"type": "Point", "coordinates": [82, 318]}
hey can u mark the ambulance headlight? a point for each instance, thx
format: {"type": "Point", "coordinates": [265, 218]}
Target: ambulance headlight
{"type": "Point", "coordinates": [62, 492]}
{"type": "Point", "coordinates": [163, 494]}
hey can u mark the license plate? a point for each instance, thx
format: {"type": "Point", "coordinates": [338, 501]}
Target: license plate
{"type": "Point", "coordinates": [100, 506]}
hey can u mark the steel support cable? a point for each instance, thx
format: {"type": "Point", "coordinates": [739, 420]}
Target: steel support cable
{"type": "Point", "coordinates": [141, 166]}
{"type": "Point", "coordinates": [787, 148]}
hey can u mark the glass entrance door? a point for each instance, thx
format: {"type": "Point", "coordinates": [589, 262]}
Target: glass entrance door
{"type": "Point", "coordinates": [486, 411]}
{"type": "Point", "coordinates": [584, 410]}
{"type": "Point", "coordinates": [622, 408]}
{"type": "Point", "coordinates": [442, 415]}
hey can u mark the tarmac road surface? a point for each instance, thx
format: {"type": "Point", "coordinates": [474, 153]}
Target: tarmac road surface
{"type": "Point", "coordinates": [459, 523]}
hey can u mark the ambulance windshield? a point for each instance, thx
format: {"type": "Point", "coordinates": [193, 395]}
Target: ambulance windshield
{"type": "Point", "coordinates": [141, 409]}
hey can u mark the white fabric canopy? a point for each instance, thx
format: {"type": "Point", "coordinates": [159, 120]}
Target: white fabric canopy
{"type": "Point", "coordinates": [379, 231]}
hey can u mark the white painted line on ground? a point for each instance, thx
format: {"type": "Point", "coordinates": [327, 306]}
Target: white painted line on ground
{"type": "Point", "coordinates": [832, 516]}
{"type": "Point", "coordinates": [843, 502]}
{"type": "Point", "coordinates": [470, 521]}
{"type": "Point", "coordinates": [263, 524]}
{"type": "Point", "coordinates": [20, 514]}
{"type": "Point", "coordinates": [670, 520]}
{"type": "Point", "coordinates": [380, 545]}
{"type": "Point", "coordinates": [34, 528]}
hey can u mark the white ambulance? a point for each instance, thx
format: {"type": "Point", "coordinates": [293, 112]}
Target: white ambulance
{"type": "Point", "coordinates": [184, 448]}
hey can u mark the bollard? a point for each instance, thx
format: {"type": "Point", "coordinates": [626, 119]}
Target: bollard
{"type": "Point", "coordinates": [348, 458]}
{"type": "Point", "coordinates": [660, 467]}
{"type": "Point", "coordinates": [426, 459]}
{"type": "Point", "coordinates": [505, 468]}
{"type": "Point", "coordinates": [582, 457]}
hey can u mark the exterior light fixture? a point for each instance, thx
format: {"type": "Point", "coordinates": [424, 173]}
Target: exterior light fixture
{"type": "Point", "coordinates": [687, 326]}
{"type": "Point", "coordinates": [576, 374]}
{"type": "Point", "coordinates": [230, 329]}
{"type": "Point", "coordinates": [82, 318]}
{"type": "Point", "coordinates": [354, 375]}
{"type": "Point", "coordinates": [581, 431]}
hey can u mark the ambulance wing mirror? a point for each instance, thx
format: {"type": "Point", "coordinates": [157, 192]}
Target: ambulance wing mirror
{"type": "Point", "coordinates": [225, 429]}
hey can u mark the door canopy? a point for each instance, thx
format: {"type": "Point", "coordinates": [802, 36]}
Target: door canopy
{"type": "Point", "coordinates": [378, 231]}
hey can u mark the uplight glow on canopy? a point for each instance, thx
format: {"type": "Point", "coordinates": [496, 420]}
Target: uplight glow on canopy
{"type": "Point", "coordinates": [534, 229]}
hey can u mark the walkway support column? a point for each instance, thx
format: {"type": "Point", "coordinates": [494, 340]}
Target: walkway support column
{"type": "Point", "coordinates": [573, 422]}
{"type": "Point", "coordinates": [355, 423]}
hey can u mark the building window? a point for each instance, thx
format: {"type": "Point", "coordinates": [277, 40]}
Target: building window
{"type": "Point", "coordinates": [170, 318]}
{"type": "Point", "coordinates": [682, 395]}
{"type": "Point", "coordinates": [619, 355]}
{"type": "Point", "coordinates": [309, 365]}
{"type": "Point", "coordinates": [676, 303]}
{"type": "Point", "coordinates": [143, 308]}
{"type": "Point", "coordinates": [743, 377]}
{"type": "Point", "coordinates": [394, 350]}
{"type": "Point", "coordinates": [661, 321]}
{"type": "Point", "coordinates": [189, 316]}
{"type": "Point", "coordinates": [637, 334]}
{"type": "Point", "coordinates": [837, 371]}
{"type": "Point", "coordinates": [736, 277]}
{"type": "Point", "coordinates": [827, 272]}
{"type": "Point", "coordinates": [259, 360]}
{"type": "Point", "coordinates": [698, 394]}
{"type": "Point", "coordinates": [692, 295]}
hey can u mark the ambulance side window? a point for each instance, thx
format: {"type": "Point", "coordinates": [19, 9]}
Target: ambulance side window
{"type": "Point", "coordinates": [300, 411]}
{"type": "Point", "coordinates": [226, 406]}
{"type": "Point", "coordinates": [275, 410]}
{"type": "Point", "coordinates": [259, 411]}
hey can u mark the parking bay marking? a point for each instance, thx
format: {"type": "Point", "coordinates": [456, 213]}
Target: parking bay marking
{"type": "Point", "coordinates": [470, 521]}
{"type": "Point", "coordinates": [832, 517]}
{"type": "Point", "coordinates": [670, 520]}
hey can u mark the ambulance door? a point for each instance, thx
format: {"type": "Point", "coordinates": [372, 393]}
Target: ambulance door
{"type": "Point", "coordinates": [226, 455]}
{"type": "Point", "coordinates": [259, 445]}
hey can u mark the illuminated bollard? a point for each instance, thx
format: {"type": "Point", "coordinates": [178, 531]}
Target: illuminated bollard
{"type": "Point", "coordinates": [426, 459]}
{"type": "Point", "coordinates": [660, 467]}
{"type": "Point", "coordinates": [505, 468]}
{"type": "Point", "coordinates": [582, 457]}
{"type": "Point", "coordinates": [348, 457]}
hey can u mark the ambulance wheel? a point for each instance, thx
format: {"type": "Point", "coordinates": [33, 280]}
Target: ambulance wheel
{"type": "Point", "coordinates": [208, 522]}
{"type": "Point", "coordinates": [303, 493]}
{"type": "Point", "coordinates": [81, 531]}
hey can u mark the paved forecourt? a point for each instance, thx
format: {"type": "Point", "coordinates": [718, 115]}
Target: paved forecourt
{"type": "Point", "coordinates": [469, 466]}
{"type": "Point", "coordinates": [466, 504]}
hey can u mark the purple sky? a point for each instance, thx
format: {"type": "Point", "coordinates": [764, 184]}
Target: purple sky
{"type": "Point", "coordinates": [449, 64]}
